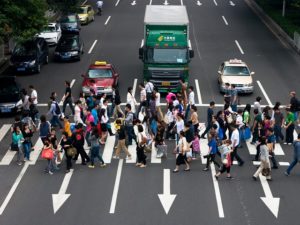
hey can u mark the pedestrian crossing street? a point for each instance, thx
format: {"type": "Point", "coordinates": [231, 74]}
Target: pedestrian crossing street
{"type": "Point", "coordinates": [108, 150]}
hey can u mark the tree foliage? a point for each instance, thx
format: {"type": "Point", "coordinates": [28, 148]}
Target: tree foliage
{"type": "Point", "coordinates": [22, 19]}
{"type": "Point", "coordinates": [64, 6]}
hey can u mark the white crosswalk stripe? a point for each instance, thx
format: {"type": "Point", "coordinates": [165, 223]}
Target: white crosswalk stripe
{"type": "Point", "coordinates": [8, 157]}
{"type": "Point", "coordinates": [4, 129]}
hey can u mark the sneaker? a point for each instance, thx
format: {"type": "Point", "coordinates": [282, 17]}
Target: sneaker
{"type": "Point", "coordinates": [51, 173]}
{"type": "Point", "coordinates": [285, 143]}
{"type": "Point", "coordinates": [128, 158]}
{"type": "Point", "coordinates": [217, 177]}
{"type": "Point", "coordinates": [275, 167]}
{"type": "Point", "coordinates": [116, 157]}
{"type": "Point", "coordinates": [254, 178]}
{"type": "Point", "coordinates": [19, 163]}
{"type": "Point", "coordinates": [289, 143]}
{"type": "Point", "coordinates": [138, 164]}
{"type": "Point", "coordinates": [205, 169]}
{"type": "Point", "coordinates": [286, 173]}
{"type": "Point", "coordinates": [103, 165]}
{"type": "Point", "coordinates": [229, 178]}
{"type": "Point", "coordinates": [142, 166]}
{"type": "Point", "coordinates": [91, 166]}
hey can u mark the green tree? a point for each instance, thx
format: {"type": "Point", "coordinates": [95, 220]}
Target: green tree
{"type": "Point", "coordinates": [64, 6]}
{"type": "Point", "coordinates": [22, 19]}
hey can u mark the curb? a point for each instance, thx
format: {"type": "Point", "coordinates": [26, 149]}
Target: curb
{"type": "Point", "coordinates": [284, 38]}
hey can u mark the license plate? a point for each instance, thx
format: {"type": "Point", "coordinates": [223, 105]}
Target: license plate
{"type": "Point", "coordinates": [165, 83]}
{"type": "Point", "coordinates": [5, 110]}
{"type": "Point", "coordinates": [21, 69]}
{"type": "Point", "coordinates": [64, 56]}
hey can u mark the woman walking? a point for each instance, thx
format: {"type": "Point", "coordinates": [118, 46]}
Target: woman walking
{"type": "Point", "coordinates": [95, 148]}
{"type": "Point", "coordinates": [225, 150]}
{"type": "Point", "coordinates": [48, 147]}
{"type": "Point", "coordinates": [213, 149]}
{"type": "Point", "coordinates": [27, 134]}
{"type": "Point", "coordinates": [141, 142]}
{"type": "Point", "coordinates": [17, 140]}
{"type": "Point", "coordinates": [194, 118]}
{"type": "Point", "coordinates": [65, 144]}
{"type": "Point", "coordinates": [117, 110]}
{"type": "Point", "coordinates": [121, 141]}
{"type": "Point", "coordinates": [103, 121]}
{"type": "Point", "coordinates": [44, 128]}
{"type": "Point", "coordinates": [264, 160]}
{"type": "Point", "coordinates": [131, 100]}
{"type": "Point", "coordinates": [182, 149]}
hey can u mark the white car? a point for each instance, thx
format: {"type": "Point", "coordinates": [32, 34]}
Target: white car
{"type": "Point", "coordinates": [51, 33]}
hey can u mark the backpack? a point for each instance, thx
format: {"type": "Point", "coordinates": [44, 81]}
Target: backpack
{"type": "Point", "coordinates": [57, 109]}
{"type": "Point", "coordinates": [44, 129]}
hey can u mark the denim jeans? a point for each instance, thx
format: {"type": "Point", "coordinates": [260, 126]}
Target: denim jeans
{"type": "Point", "coordinates": [296, 159]}
{"type": "Point", "coordinates": [187, 112]}
{"type": "Point", "coordinates": [55, 121]}
{"type": "Point", "coordinates": [278, 133]}
{"type": "Point", "coordinates": [129, 130]}
{"type": "Point", "coordinates": [95, 153]}
{"type": "Point", "coordinates": [27, 149]}
{"type": "Point", "coordinates": [20, 152]}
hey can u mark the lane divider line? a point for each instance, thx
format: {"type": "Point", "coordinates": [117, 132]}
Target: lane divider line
{"type": "Point", "coordinates": [198, 91]}
{"type": "Point", "coordinates": [215, 2]}
{"type": "Point", "coordinates": [240, 48]}
{"type": "Point", "coordinates": [116, 188]}
{"type": "Point", "coordinates": [150, 3]}
{"type": "Point", "coordinates": [117, 3]}
{"type": "Point", "coordinates": [107, 20]}
{"type": "Point", "coordinates": [92, 47]}
{"type": "Point", "coordinates": [264, 93]}
{"type": "Point", "coordinates": [225, 21]}
{"type": "Point", "coordinates": [134, 87]}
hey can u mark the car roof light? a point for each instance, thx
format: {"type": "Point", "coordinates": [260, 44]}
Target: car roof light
{"type": "Point", "coordinates": [100, 63]}
{"type": "Point", "coordinates": [235, 61]}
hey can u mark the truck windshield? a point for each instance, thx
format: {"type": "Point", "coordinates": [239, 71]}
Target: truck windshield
{"type": "Point", "coordinates": [166, 55]}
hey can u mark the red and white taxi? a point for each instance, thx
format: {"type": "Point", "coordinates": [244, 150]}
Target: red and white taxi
{"type": "Point", "coordinates": [101, 77]}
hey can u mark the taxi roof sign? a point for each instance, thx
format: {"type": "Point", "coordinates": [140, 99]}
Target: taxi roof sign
{"type": "Point", "coordinates": [100, 63]}
{"type": "Point", "coordinates": [235, 61]}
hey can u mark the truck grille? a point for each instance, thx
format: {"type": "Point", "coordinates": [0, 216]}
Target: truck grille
{"type": "Point", "coordinates": [165, 74]}
{"type": "Point", "coordinates": [165, 83]}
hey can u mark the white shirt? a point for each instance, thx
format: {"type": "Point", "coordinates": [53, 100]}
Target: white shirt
{"type": "Point", "coordinates": [149, 87]}
{"type": "Point", "coordinates": [131, 100]}
{"type": "Point", "coordinates": [256, 105]}
{"type": "Point", "coordinates": [179, 126]}
{"type": "Point", "coordinates": [157, 99]}
{"type": "Point", "coordinates": [77, 116]}
{"type": "Point", "coordinates": [192, 98]}
{"type": "Point", "coordinates": [235, 138]}
{"type": "Point", "coordinates": [105, 107]}
{"type": "Point", "coordinates": [34, 96]}
{"type": "Point", "coordinates": [99, 4]}
{"type": "Point", "coordinates": [239, 121]}
{"type": "Point", "coordinates": [143, 95]}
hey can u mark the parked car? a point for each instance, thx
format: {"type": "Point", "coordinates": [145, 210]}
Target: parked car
{"type": "Point", "coordinates": [70, 23]}
{"type": "Point", "coordinates": [51, 33]}
{"type": "Point", "coordinates": [235, 72]}
{"type": "Point", "coordinates": [101, 77]}
{"type": "Point", "coordinates": [28, 56]}
{"type": "Point", "coordinates": [10, 95]}
{"type": "Point", "coordinates": [86, 14]}
{"type": "Point", "coordinates": [69, 47]}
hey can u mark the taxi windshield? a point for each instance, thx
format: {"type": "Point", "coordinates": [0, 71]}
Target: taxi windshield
{"type": "Point", "coordinates": [99, 73]}
{"type": "Point", "coordinates": [236, 71]}
{"type": "Point", "coordinates": [83, 10]}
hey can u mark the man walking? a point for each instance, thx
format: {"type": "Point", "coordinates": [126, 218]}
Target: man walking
{"type": "Point", "coordinates": [55, 112]}
{"type": "Point", "coordinates": [191, 101]}
{"type": "Point", "coordinates": [67, 99]}
{"type": "Point", "coordinates": [129, 123]}
{"type": "Point", "coordinates": [234, 98]}
{"type": "Point", "coordinates": [296, 157]}
{"type": "Point", "coordinates": [210, 113]}
{"type": "Point", "coordinates": [235, 140]}
{"type": "Point", "coordinates": [149, 87]}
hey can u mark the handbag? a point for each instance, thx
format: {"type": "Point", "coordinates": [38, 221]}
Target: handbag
{"type": "Point", "coordinates": [71, 152]}
{"type": "Point", "coordinates": [47, 153]}
{"type": "Point", "coordinates": [14, 147]}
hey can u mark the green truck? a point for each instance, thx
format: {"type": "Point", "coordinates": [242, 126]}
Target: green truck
{"type": "Point", "coordinates": [166, 49]}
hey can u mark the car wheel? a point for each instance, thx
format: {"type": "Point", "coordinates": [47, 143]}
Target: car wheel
{"type": "Point", "coordinates": [38, 68]}
{"type": "Point", "coordinates": [47, 59]}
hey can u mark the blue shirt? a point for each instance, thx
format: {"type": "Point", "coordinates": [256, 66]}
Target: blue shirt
{"type": "Point", "coordinates": [95, 115]}
{"type": "Point", "coordinates": [213, 145]}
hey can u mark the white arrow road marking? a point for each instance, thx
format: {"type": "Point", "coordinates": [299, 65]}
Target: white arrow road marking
{"type": "Point", "coordinates": [13, 188]}
{"type": "Point", "coordinates": [225, 21]}
{"type": "Point", "coordinates": [215, 2]}
{"type": "Point", "coordinates": [134, 87]}
{"type": "Point", "coordinates": [166, 2]}
{"type": "Point", "coordinates": [92, 47]}
{"type": "Point", "coordinates": [181, 2]}
{"type": "Point", "coordinates": [231, 3]}
{"type": "Point", "coordinates": [271, 202]}
{"type": "Point", "coordinates": [117, 3]}
{"type": "Point", "coordinates": [107, 20]}
{"type": "Point", "coordinates": [133, 3]}
{"type": "Point", "coordinates": [142, 43]}
{"type": "Point", "coordinates": [116, 188]}
{"type": "Point", "coordinates": [166, 198]}
{"type": "Point", "coordinates": [60, 198]}
{"type": "Point", "coordinates": [264, 93]}
{"type": "Point", "coordinates": [199, 3]}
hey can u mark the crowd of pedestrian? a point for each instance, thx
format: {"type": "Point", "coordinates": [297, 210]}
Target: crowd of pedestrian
{"type": "Point", "coordinates": [146, 125]}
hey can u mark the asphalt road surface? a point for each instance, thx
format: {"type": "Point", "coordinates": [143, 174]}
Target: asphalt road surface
{"type": "Point", "coordinates": [124, 194]}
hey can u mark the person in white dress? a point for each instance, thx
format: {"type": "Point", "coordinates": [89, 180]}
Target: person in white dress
{"type": "Point", "coordinates": [131, 100]}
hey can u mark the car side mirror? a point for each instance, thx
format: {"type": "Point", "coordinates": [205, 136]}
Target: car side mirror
{"type": "Point", "coordinates": [141, 53]}
{"type": "Point", "coordinates": [191, 53]}
{"type": "Point", "coordinates": [219, 72]}
{"type": "Point", "coordinates": [252, 73]}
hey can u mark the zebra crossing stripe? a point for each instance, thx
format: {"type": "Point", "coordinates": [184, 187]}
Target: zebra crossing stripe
{"type": "Point", "coordinates": [34, 156]}
{"type": "Point", "coordinates": [8, 157]}
{"type": "Point", "coordinates": [4, 129]}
